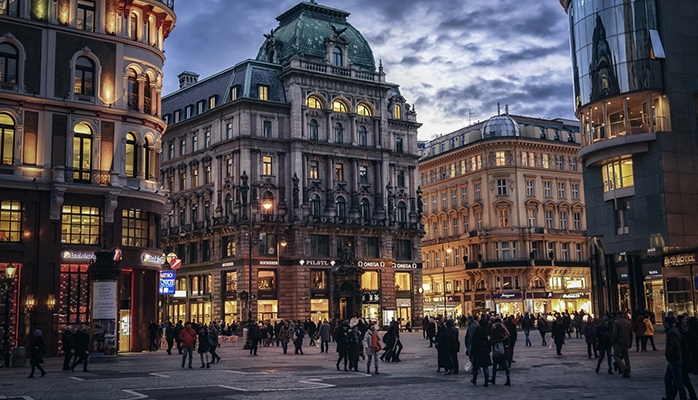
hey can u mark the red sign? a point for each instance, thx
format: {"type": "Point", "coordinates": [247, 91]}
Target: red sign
{"type": "Point", "coordinates": [175, 263]}
{"type": "Point", "coordinates": [117, 254]}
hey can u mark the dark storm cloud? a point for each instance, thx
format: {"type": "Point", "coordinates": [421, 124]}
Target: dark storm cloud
{"type": "Point", "coordinates": [449, 56]}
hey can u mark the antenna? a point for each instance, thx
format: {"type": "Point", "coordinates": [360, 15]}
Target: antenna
{"type": "Point", "coordinates": [471, 114]}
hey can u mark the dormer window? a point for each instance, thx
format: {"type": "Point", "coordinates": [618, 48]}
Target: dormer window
{"type": "Point", "coordinates": [263, 92]}
{"type": "Point", "coordinates": [337, 57]}
{"type": "Point", "coordinates": [397, 111]}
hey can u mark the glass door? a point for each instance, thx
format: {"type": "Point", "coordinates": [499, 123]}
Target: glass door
{"type": "Point", "coordinates": [124, 331]}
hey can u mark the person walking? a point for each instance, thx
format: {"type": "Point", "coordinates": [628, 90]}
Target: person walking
{"type": "Point", "coordinates": [527, 325]}
{"type": "Point", "coordinates": [589, 332]}
{"type": "Point", "coordinates": [169, 337]}
{"type": "Point", "coordinates": [499, 341]}
{"type": "Point", "coordinates": [372, 346]}
{"type": "Point", "coordinates": [213, 334]}
{"type": "Point", "coordinates": [392, 341]}
{"type": "Point", "coordinates": [604, 343]}
{"type": "Point", "coordinates": [188, 338]}
{"type": "Point", "coordinates": [443, 349]}
{"type": "Point", "coordinates": [469, 334]}
{"type": "Point", "coordinates": [204, 346]}
{"type": "Point", "coordinates": [283, 336]}
{"type": "Point", "coordinates": [253, 332]}
{"type": "Point", "coordinates": [177, 331]}
{"type": "Point", "coordinates": [673, 377]}
{"type": "Point", "coordinates": [298, 338]}
{"type": "Point", "coordinates": [425, 326]}
{"type": "Point", "coordinates": [38, 347]}
{"type": "Point", "coordinates": [354, 337]}
{"type": "Point", "coordinates": [431, 332]}
{"type": "Point", "coordinates": [324, 336]}
{"type": "Point", "coordinates": [311, 332]}
{"type": "Point", "coordinates": [82, 348]}
{"type": "Point", "coordinates": [153, 329]}
{"type": "Point", "coordinates": [649, 333]}
{"type": "Point", "coordinates": [480, 353]}
{"type": "Point", "coordinates": [342, 340]}
{"type": "Point", "coordinates": [543, 328]}
{"type": "Point", "coordinates": [686, 356]}
{"type": "Point", "coordinates": [639, 328]}
{"type": "Point", "coordinates": [67, 346]}
{"type": "Point", "coordinates": [510, 324]}
{"type": "Point", "coordinates": [558, 334]}
{"type": "Point", "coordinates": [455, 345]}
{"type": "Point", "coordinates": [622, 340]}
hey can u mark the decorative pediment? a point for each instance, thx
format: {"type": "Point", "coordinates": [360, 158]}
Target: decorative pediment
{"type": "Point", "coordinates": [315, 186]}
{"type": "Point", "coordinates": [207, 159]}
{"type": "Point", "coordinates": [365, 190]}
{"type": "Point", "coordinates": [340, 187]}
{"type": "Point", "coordinates": [182, 166]}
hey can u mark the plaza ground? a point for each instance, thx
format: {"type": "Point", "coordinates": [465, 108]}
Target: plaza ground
{"type": "Point", "coordinates": [537, 373]}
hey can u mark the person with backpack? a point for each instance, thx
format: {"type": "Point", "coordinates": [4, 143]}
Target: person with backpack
{"type": "Point", "coordinates": [499, 341]}
{"type": "Point", "coordinates": [604, 344]}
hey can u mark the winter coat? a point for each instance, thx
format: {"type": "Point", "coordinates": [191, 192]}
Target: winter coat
{"type": "Point", "coordinates": [342, 340]}
{"type": "Point", "coordinates": [443, 347]}
{"type": "Point", "coordinates": [622, 332]}
{"type": "Point", "coordinates": [672, 351]}
{"type": "Point", "coordinates": [367, 342]}
{"type": "Point", "coordinates": [354, 345]}
{"type": "Point", "coordinates": [178, 330]}
{"type": "Point", "coordinates": [284, 334]}
{"type": "Point", "coordinates": [431, 329]}
{"type": "Point", "coordinates": [526, 323]}
{"type": "Point", "coordinates": [649, 328]}
{"type": "Point", "coordinates": [169, 332]}
{"type": "Point", "coordinates": [559, 333]}
{"type": "Point", "coordinates": [470, 333]}
{"type": "Point", "coordinates": [639, 326]}
{"type": "Point", "coordinates": [38, 348]}
{"type": "Point", "coordinates": [425, 324]}
{"type": "Point", "coordinates": [299, 333]}
{"type": "Point", "coordinates": [188, 337]}
{"type": "Point", "coordinates": [589, 331]}
{"type": "Point", "coordinates": [67, 341]}
{"type": "Point", "coordinates": [499, 333]}
{"type": "Point", "coordinates": [325, 332]}
{"type": "Point", "coordinates": [253, 332]}
{"type": "Point", "coordinates": [82, 342]}
{"type": "Point", "coordinates": [480, 350]}
{"type": "Point", "coordinates": [204, 344]}
{"type": "Point", "coordinates": [511, 327]}
{"type": "Point", "coordinates": [542, 324]}
{"type": "Point", "coordinates": [603, 337]}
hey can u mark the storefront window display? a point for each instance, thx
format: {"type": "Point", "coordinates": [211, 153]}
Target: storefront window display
{"type": "Point", "coordinates": [655, 297]}
{"type": "Point", "coordinates": [231, 311]}
{"type": "Point", "coordinates": [507, 308]}
{"type": "Point", "coordinates": [266, 280]}
{"type": "Point", "coordinates": [679, 294]}
{"type": "Point", "coordinates": [200, 312]}
{"type": "Point", "coordinates": [267, 310]}
{"type": "Point", "coordinates": [403, 281]}
{"type": "Point", "coordinates": [369, 280]}
{"type": "Point", "coordinates": [404, 310]}
{"type": "Point", "coordinates": [319, 310]}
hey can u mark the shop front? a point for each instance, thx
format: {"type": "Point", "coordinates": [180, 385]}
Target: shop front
{"type": "Point", "coordinates": [371, 305]}
{"type": "Point", "coordinates": [319, 295]}
{"type": "Point", "coordinates": [570, 302]}
{"type": "Point", "coordinates": [267, 296]}
{"type": "Point", "coordinates": [654, 289]}
{"type": "Point", "coordinates": [537, 302]}
{"type": "Point", "coordinates": [680, 282]}
{"type": "Point", "coordinates": [510, 303]}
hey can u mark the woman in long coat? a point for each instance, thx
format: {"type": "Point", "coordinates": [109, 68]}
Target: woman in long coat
{"type": "Point", "coordinates": [558, 334]}
{"type": "Point", "coordinates": [283, 336]}
{"type": "Point", "coordinates": [443, 349]}
{"type": "Point", "coordinates": [204, 346]}
{"type": "Point", "coordinates": [341, 337]}
{"type": "Point", "coordinates": [37, 349]}
{"type": "Point", "coordinates": [480, 351]}
{"type": "Point", "coordinates": [354, 336]}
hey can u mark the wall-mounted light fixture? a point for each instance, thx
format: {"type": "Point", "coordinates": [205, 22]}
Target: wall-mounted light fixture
{"type": "Point", "coordinates": [30, 302]}
{"type": "Point", "coordinates": [51, 302]}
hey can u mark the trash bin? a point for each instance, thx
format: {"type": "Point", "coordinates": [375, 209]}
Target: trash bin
{"type": "Point", "coordinates": [19, 356]}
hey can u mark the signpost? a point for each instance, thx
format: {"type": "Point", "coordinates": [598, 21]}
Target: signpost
{"type": "Point", "coordinates": [167, 282]}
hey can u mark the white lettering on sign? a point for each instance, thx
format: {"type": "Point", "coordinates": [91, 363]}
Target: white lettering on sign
{"type": "Point", "coordinates": [371, 264]}
{"type": "Point", "coordinates": [78, 255]}
{"type": "Point", "coordinates": [315, 262]}
{"type": "Point", "coordinates": [104, 305]}
{"type": "Point", "coordinates": [152, 259]}
{"type": "Point", "coordinates": [398, 265]}
{"type": "Point", "coordinates": [262, 262]}
{"type": "Point", "coordinates": [228, 264]}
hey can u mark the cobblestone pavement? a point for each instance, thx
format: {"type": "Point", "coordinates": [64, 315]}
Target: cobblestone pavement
{"type": "Point", "coordinates": [537, 373]}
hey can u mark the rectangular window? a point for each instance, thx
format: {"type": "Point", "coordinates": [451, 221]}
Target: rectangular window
{"type": "Point", "coordinates": [320, 245]}
{"type": "Point", "coordinates": [578, 249]}
{"type": "Point", "coordinates": [369, 280]}
{"type": "Point", "coordinates": [134, 228]}
{"type": "Point", "coordinates": [177, 116]}
{"type": "Point", "coordinates": [443, 200]}
{"type": "Point", "coordinates": [371, 249]}
{"type": "Point", "coordinates": [188, 111]}
{"type": "Point", "coordinates": [267, 166]}
{"type": "Point", "coordinates": [545, 161]}
{"type": "Point", "coordinates": [560, 162]}
{"type": "Point", "coordinates": [530, 188]}
{"type": "Point", "coordinates": [401, 179]}
{"type": "Point", "coordinates": [11, 218]}
{"type": "Point", "coordinates": [403, 281]}
{"type": "Point", "coordinates": [478, 220]}
{"type": "Point", "coordinates": [195, 176]}
{"type": "Point", "coordinates": [170, 150]}
{"type": "Point", "coordinates": [182, 147]}
{"type": "Point", "coordinates": [463, 167]}
{"type": "Point", "coordinates": [573, 163]}
{"type": "Point", "coordinates": [618, 175]}
{"type": "Point", "coordinates": [433, 203]}
{"type": "Point", "coordinates": [200, 107]}
{"type": "Point", "coordinates": [565, 251]}
{"type": "Point", "coordinates": [229, 167]}
{"type": "Point", "coordinates": [205, 250]}
{"type": "Point", "coordinates": [575, 191]}
{"type": "Point", "coordinates": [231, 281]}
{"type": "Point", "coordinates": [74, 298]}
{"type": "Point", "coordinates": [403, 250]}
{"type": "Point", "coordinates": [81, 225]}
{"type": "Point", "coordinates": [466, 226]}
{"type": "Point", "coordinates": [267, 129]}
{"type": "Point", "coordinates": [500, 159]}
{"type": "Point", "coordinates": [313, 170]}
{"type": "Point", "coordinates": [228, 246]}
{"type": "Point", "coordinates": [233, 93]}
{"type": "Point", "coordinates": [170, 183]}
{"type": "Point", "coordinates": [563, 219]}
{"type": "Point", "coordinates": [207, 139]}
{"type": "Point", "coordinates": [478, 195]}
{"type": "Point", "coordinates": [547, 189]}
{"type": "Point", "coordinates": [182, 180]}
{"type": "Point", "coordinates": [454, 197]}
{"type": "Point", "coordinates": [207, 174]}
{"type": "Point", "coordinates": [398, 145]}
{"type": "Point", "coordinates": [454, 224]}
{"type": "Point", "coordinates": [318, 280]}
{"type": "Point", "coordinates": [561, 190]}
{"type": "Point", "coordinates": [503, 217]}
{"type": "Point", "coordinates": [501, 187]}
{"type": "Point", "coordinates": [445, 226]}
{"type": "Point", "coordinates": [228, 131]}
{"type": "Point", "coordinates": [577, 217]}
{"type": "Point", "coordinates": [339, 172]}
{"type": "Point", "coordinates": [212, 102]}
{"type": "Point", "coordinates": [549, 219]}
{"type": "Point", "coordinates": [266, 281]}
{"type": "Point", "coordinates": [551, 250]}
{"type": "Point", "coordinates": [524, 159]}
{"type": "Point", "coordinates": [263, 92]}
{"type": "Point", "coordinates": [452, 168]}
{"type": "Point", "coordinates": [86, 15]}
{"type": "Point", "coordinates": [464, 194]}
{"type": "Point", "coordinates": [193, 255]}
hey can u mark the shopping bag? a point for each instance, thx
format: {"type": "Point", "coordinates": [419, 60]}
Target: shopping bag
{"type": "Point", "coordinates": [468, 366]}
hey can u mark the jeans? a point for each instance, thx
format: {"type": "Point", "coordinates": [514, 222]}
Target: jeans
{"type": "Point", "coordinates": [66, 359]}
{"type": "Point", "coordinates": [469, 349]}
{"type": "Point", "coordinates": [372, 356]}
{"type": "Point", "coordinates": [503, 363]}
{"type": "Point", "coordinates": [284, 346]}
{"type": "Point", "coordinates": [607, 353]}
{"type": "Point", "coordinates": [31, 374]}
{"type": "Point", "coordinates": [187, 351]}
{"type": "Point", "coordinates": [591, 346]}
{"type": "Point", "coordinates": [485, 371]}
{"type": "Point", "coordinates": [674, 377]}
{"type": "Point", "coordinates": [528, 339]}
{"type": "Point", "coordinates": [542, 336]}
{"type": "Point", "coordinates": [324, 346]}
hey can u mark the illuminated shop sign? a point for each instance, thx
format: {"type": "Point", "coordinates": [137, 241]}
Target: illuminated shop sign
{"type": "Point", "coordinates": [574, 295]}
{"type": "Point", "coordinates": [371, 297]}
{"type": "Point", "coordinates": [406, 265]}
{"type": "Point", "coordinates": [679, 260]}
{"type": "Point", "coordinates": [167, 282]}
{"type": "Point", "coordinates": [370, 264]}
{"type": "Point", "coordinates": [148, 258]}
{"type": "Point", "coordinates": [70, 255]}
{"type": "Point", "coordinates": [314, 263]}
{"type": "Point", "coordinates": [264, 262]}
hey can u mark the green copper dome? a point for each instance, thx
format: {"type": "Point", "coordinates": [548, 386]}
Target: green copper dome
{"type": "Point", "coordinates": [304, 30]}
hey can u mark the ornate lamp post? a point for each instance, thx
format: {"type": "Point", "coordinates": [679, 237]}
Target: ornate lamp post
{"type": "Point", "coordinates": [443, 275]}
{"type": "Point", "coordinates": [10, 271]}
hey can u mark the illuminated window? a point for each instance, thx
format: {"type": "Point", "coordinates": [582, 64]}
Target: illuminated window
{"type": "Point", "coordinates": [11, 218]}
{"type": "Point", "coordinates": [503, 217]}
{"type": "Point", "coordinates": [369, 280]}
{"type": "Point", "coordinates": [313, 102]}
{"type": "Point", "coordinates": [313, 170]}
{"type": "Point", "coordinates": [82, 153]}
{"type": "Point", "coordinates": [81, 225]}
{"type": "Point", "coordinates": [212, 102]}
{"type": "Point", "coordinates": [231, 281]}
{"type": "Point", "coordinates": [86, 15]}
{"type": "Point", "coordinates": [133, 89]}
{"type": "Point", "coordinates": [545, 161]}
{"type": "Point", "coordinates": [339, 106]}
{"type": "Point", "coordinates": [267, 165]}
{"type": "Point", "coordinates": [195, 176]}
{"type": "Point", "coordinates": [403, 281]}
{"type": "Point", "coordinates": [266, 280]}
{"type": "Point", "coordinates": [207, 174]}
{"type": "Point", "coordinates": [84, 76]}
{"type": "Point", "coordinates": [135, 228]}
{"type": "Point", "coordinates": [339, 172]}
{"type": "Point", "coordinates": [500, 159]}
{"type": "Point", "coordinates": [131, 155]}
{"type": "Point", "coordinates": [182, 180]}
{"type": "Point", "coordinates": [7, 137]}
{"type": "Point", "coordinates": [618, 175]}
{"type": "Point", "coordinates": [397, 111]}
{"type": "Point", "coordinates": [363, 109]}
{"type": "Point", "coordinates": [318, 280]}
{"type": "Point", "coordinates": [363, 174]}
{"type": "Point", "coordinates": [263, 92]}
{"type": "Point", "coordinates": [8, 63]}
{"type": "Point", "coordinates": [9, 7]}
{"type": "Point", "coordinates": [74, 297]}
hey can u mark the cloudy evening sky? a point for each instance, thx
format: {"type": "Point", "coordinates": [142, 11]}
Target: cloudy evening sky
{"type": "Point", "coordinates": [448, 56]}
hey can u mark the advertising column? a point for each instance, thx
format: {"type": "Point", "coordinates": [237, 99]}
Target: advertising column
{"type": "Point", "coordinates": [104, 275]}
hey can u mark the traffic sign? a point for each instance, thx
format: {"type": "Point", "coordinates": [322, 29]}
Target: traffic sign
{"type": "Point", "coordinates": [175, 263]}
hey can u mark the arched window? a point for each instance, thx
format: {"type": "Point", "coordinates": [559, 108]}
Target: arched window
{"type": "Point", "coordinates": [146, 159]}
{"type": "Point", "coordinates": [228, 204]}
{"type": "Point", "coordinates": [341, 207]}
{"type": "Point", "coordinates": [195, 210]}
{"type": "Point", "coordinates": [363, 109]}
{"type": "Point", "coordinates": [132, 89]}
{"type": "Point", "coordinates": [82, 152]}
{"type": "Point", "coordinates": [146, 30]}
{"type": "Point", "coordinates": [480, 285]}
{"type": "Point", "coordinates": [8, 63]}
{"type": "Point", "coordinates": [538, 283]}
{"type": "Point", "coordinates": [313, 130]}
{"type": "Point", "coordinates": [401, 212]}
{"type": "Point", "coordinates": [339, 106]}
{"type": "Point", "coordinates": [7, 139]}
{"type": "Point", "coordinates": [131, 155]}
{"type": "Point", "coordinates": [146, 95]}
{"type": "Point", "coordinates": [363, 136]}
{"type": "Point", "coordinates": [268, 202]}
{"type": "Point", "coordinates": [315, 205]}
{"type": "Point", "coordinates": [337, 57]}
{"type": "Point", "coordinates": [313, 102]}
{"type": "Point", "coordinates": [365, 210]}
{"type": "Point", "coordinates": [84, 76]}
{"type": "Point", "coordinates": [338, 133]}
{"type": "Point", "coordinates": [181, 217]}
{"type": "Point", "coordinates": [397, 111]}
{"type": "Point", "coordinates": [134, 26]}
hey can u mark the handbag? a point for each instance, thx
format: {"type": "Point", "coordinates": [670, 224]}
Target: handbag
{"type": "Point", "coordinates": [468, 366]}
{"type": "Point", "coordinates": [498, 349]}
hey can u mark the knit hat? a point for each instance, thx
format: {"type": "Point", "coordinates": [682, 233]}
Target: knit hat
{"type": "Point", "coordinates": [37, 333]}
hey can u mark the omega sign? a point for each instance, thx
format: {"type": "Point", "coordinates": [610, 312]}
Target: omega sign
{"type": "Point", "coordinates": [399, 265]}
{"type": "Point", "coordinates": [679, 260]}
{"type": "Point", "coordinates": [370, 264]}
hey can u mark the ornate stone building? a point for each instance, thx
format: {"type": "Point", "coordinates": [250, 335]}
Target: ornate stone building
{"type": "Point", "coordinates": [504, 219]}
{"type": "Point", "coordinates": [280, 163]}
{"type": "Point", "coordinates": [80, 124]}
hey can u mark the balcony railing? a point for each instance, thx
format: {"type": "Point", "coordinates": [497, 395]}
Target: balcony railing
{"type": "Point", "coordinates": [168, 3]}
{"type": "Point", "coordinates": [95, 177]}
{"type": "Point", "coordinates": [339, 71]}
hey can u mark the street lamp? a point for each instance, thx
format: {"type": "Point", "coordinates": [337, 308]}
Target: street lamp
{"type": "Point", "coordinates": [10, 271]}
{"type": "Point", "coordinates": [443, 275]}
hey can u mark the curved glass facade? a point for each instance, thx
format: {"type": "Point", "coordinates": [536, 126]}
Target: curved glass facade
{"type": "Point", "coordinates": [612, 48]}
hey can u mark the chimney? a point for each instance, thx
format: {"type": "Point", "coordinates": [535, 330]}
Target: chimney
{"type": "Point", "coordinates": [187, 78]}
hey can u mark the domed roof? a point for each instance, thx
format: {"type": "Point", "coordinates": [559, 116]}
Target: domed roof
{"type": "Point", "coordinates": [500, 125]}
{"type": "Point", "coordinates": [303, 30]}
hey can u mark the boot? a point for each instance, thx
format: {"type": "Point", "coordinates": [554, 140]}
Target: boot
{"type": "Point", "coordinates": [508, 382]}
{"type": "Point", "coordinates": [368, 369]}
{"type": "Point", "coordinates": [493, 381]}
{"type": "Point", "coordinates": [208, 365]}
{"type": "Point", "coordinates": [597, 369]}
{"type": "Point", "coordinates": [337, 365]}
{"type": "Point", "coordinates": [376, 370]}
{"type": "Point", "coordinates": [473, 381]}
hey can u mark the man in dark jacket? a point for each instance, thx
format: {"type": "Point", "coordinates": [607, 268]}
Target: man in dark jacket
{"type": "Point", "coordinates": [673, 377]}
{"type": "Point", "coordinates": [82, 348]}
{"type": "Point", "coordinates": [169, 336]}
{"type": "Point", "coordinates": [455, 345]}
{"type": "Point", "coordinates": [253, 331]}
{"type": "Point", "coordinates": [513, 335]}
{"type": "Point", "coordinates": [431, 333]}
{"type": "Point", "coordinates": [527, 325]}
{"type": "Point", "coordinates": [392, 341]}
{"type": "Point", "coordinates": [177, 330]}
{"type": "Point", "coordinates": [622, 340]}
{"type": "Point", "coordinates": [67, 346]}
{"type": "Point", "coordinates": [153, 329]}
